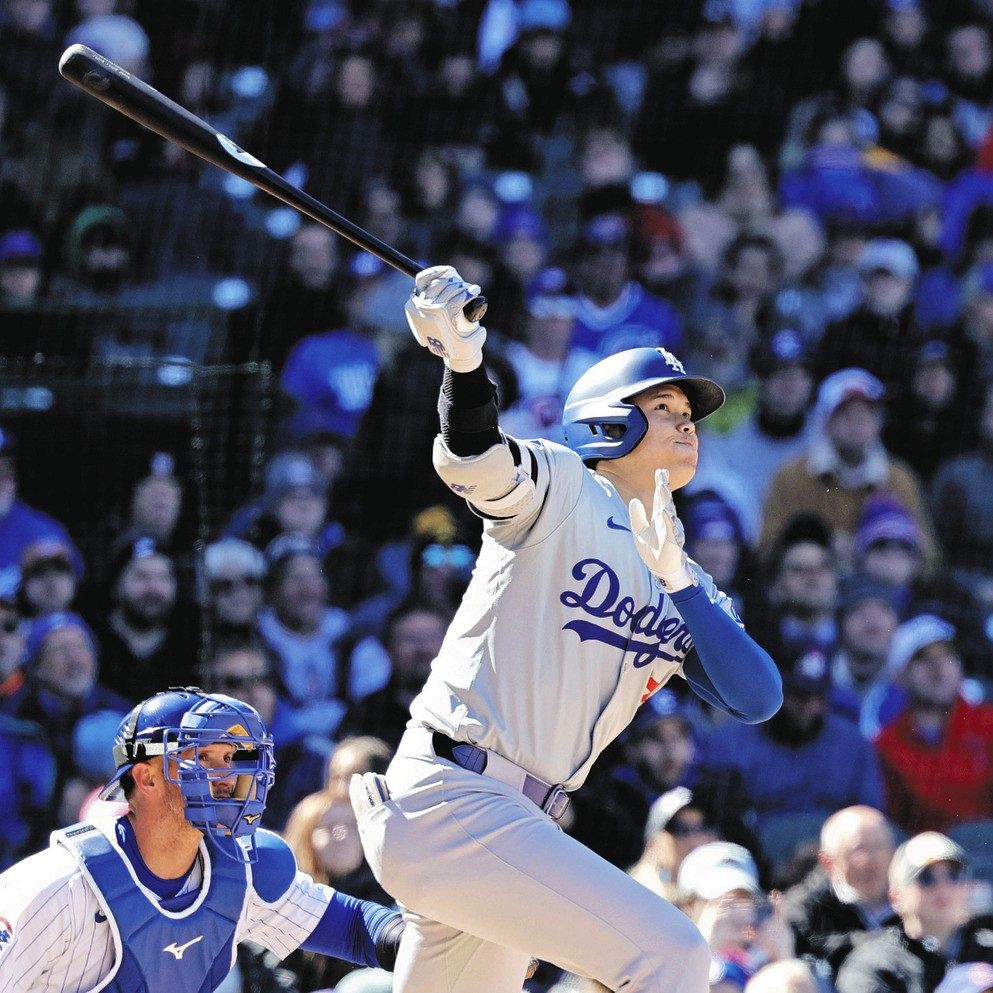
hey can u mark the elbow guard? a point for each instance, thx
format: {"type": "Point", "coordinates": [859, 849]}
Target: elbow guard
{"type": "Point", "coordinates": [494, 483]}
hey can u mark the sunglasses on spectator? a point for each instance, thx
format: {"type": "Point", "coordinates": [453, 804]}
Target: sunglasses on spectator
{"type": "Point", "coordinates": [234, 682]}
{"type": "Point", "coordinates": [228, 584]}
{"type": "Point", "coordinates": [932, 875]}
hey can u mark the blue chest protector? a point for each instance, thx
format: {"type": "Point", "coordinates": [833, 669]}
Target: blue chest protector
{"type": "Point", "coordinates": [156, 949]}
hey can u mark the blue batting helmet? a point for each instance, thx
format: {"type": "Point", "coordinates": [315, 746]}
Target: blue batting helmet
{"type": "Point", "coordinates": [602, 397]}
{"type": "Point", "coordinates": [176, 724]}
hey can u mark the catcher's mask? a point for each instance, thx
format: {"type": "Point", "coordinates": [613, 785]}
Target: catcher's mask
{"type": "Point", "coordinates": [177, 724]}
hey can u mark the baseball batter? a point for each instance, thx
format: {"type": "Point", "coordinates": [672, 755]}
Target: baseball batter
{"type": "Point", "coordinates": [159, 899]}
{"type": "Point", "coordinates": [582, 604]}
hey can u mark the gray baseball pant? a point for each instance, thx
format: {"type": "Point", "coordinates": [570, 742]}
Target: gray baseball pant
{"type": "Point", "coordinates": [487, 880]}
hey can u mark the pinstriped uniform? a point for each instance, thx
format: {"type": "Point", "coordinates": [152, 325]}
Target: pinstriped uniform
{"type": "Point", "coordinates": [59, 941]}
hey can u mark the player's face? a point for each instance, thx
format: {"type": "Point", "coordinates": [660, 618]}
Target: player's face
{"type": "Point", "coordinates": [216, 755]}
{"type": "Point", "coordinates": [671, 440]}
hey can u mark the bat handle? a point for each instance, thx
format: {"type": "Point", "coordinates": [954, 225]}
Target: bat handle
{"type": "Point", "coordinates": [475, 309]}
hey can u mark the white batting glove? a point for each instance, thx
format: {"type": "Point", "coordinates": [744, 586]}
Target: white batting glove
{"type": "Point", "coordinates": [434, 313]}
{"type": "Point", "coordinates": [660, 540]}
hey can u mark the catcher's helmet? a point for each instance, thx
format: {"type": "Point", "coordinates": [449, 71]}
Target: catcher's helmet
{"type": "Point", "coordinates": [177, 723]}
{"type": "Point", "coordinates": [603, 393]}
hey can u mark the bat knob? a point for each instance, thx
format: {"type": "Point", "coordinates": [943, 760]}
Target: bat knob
{"type": "Point", "coordinates": [474, 310]}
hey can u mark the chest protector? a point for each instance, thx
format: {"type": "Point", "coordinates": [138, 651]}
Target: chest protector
{"type": "Point", "coordinates": [156, 949]}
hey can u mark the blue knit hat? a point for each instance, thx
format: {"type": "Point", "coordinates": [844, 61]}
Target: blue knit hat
{"type": "Point", "coordinates": [47, 624]}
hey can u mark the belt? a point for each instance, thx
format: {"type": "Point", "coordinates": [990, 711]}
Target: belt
{"type": "Point", "coordinates": [553, 800]}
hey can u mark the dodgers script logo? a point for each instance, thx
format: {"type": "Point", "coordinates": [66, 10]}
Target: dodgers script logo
{"type": "Point", "coordinates": [664, 637]}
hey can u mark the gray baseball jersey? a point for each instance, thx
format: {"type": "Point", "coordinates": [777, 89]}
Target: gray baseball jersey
{"type": "Point", "coordinates": [563, 631]}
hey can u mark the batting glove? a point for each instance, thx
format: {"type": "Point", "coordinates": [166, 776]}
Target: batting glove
{"type": "Point", "coordinates": [660, 540]}
{"type": "Point", "coordinates": [434, 313]}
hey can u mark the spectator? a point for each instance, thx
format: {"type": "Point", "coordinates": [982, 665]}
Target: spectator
{"type": "Point", "coordinates": [900, 114]}
{"type": "Point", "coordinates": [937, 755]}
{"type": "Point", "coordinates": [329, 377]}
{"type": "Point", "coordinates": [48, 578]}
{"type": "Point", "coordinates": [20, 525]}
{"type": "Point", "coordinates": [156, 503]}
{"type": "Point", "coordinates": [616, 312]}
{"type": "Point", "coordinates": [234, 571]}
{"type": "Point", "coordinates": [412, 636]}
{"type": "Point", "coordinates": [715, 540]}
{"type": "Point", "coordinates": [880, 335]}
{"type": "Point", "coordinates": [246, 671]}
{"type": "Point", "coordinates": [969, 73]}
{"type": "Point", "coordinates": [778, 431]}
{"type": "Point", "coordinates": [20, 269]}
{"type": "Point", "coordinates": [964, 515]}
{"type": "Point", "coordinates": [97, 259]}
{"type": "Point", "coordinates": [929, 890]}
{"type": "Point", "coordinates": [295, 502]}
{"type": "Point", "coordinates": [972, 335]}
{"type": "Point", "coordinates": [301, 627]}
{"type": "Point", "coordinates": [737, 310]}
{"type": "Point", "coordinates": [324, 837]}
{"type": "Point", "coordinates": [13, 637]}
{"type": "Point", "coordinates": [355, 754]}
{"type": "Point", "coordinates": [890, 549]}
{"type": "Point", "coordinates": [545, 362]}
{"type": "Point", "coordinates": [847, 894]}
{"type": "Point", "coordinates": [302, 300]}
{"type": "Point", "coordinates": [677, 823]}
{"type": "Point", "coordinates": [867, 620]}
{"type": "Point", "coordinates": [64, 686]}
{"type": "Point", "coordinates": [846, 465]}
{"type": "Point", "coordinates": [149, 638]}
{"type": "Point", "coordinates": [801, 591]}
{"type": "Point", "coordinates": [969, 977]}
{"type": "Point", "coordinates": [536, 83]}
{"type": "Point", "coordinates": [721, 894]}
{"type": "Point", "coordinates": [27, 784]}
{"type": "Point", "coordinates": [908, 40]}
{"type": "Point", "coordinates": [523, 241]}
{"type": "Point", "coordinates": [924, 424]}
{"type": "Point", "coordinates": [785, 976]}
{"type": "Point", "coordinates": [804, 760]}
{"type": "Point", "coordinates": [665, 267]}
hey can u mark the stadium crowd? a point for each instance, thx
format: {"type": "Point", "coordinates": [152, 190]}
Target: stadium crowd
{"type": "Point", "coordinates": [794, 196]}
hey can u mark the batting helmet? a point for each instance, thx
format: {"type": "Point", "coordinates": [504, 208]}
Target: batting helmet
{"type": "Point", "coordinates": [602, 397]}
{"type": "Point", "coordinates": [177, 724]}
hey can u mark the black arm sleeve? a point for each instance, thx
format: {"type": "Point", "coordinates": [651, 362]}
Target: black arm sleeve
{"type": "Point", "coordinates": [468, 412]}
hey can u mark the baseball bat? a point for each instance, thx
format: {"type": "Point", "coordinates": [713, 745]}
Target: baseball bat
{"type": "Point", "coordinates": [119, 89]}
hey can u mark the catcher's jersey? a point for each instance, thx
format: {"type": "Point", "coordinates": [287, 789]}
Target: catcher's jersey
{"type": "Point", "coordinates": [55, 936]}
{"type": "Point", "coordinates": [562, 632]}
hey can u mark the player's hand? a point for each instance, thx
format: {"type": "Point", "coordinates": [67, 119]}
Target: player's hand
{"type": "Point", "coordinates": [660, 540]}
{"type": "Point", "coordinates": [434, 313]}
